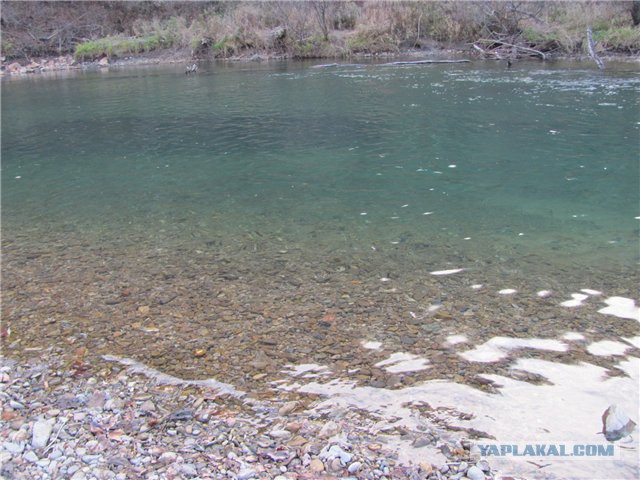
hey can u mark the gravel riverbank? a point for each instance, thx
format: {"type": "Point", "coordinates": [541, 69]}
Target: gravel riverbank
{"type": "Point", "coordinates": [105, 421]}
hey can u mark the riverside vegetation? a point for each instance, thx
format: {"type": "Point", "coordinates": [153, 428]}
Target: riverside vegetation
{"type": "Point", "coordinates": [315, 29]}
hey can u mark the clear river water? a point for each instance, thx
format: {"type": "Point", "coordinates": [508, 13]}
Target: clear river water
{"type": "Point", "coordinates": [270, 215]}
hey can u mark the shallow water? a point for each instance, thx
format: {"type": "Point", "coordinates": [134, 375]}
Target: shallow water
{"type": "Point", "coordinates": [393, 225]}
{"type": "Point", "coordinates": [531, 162]}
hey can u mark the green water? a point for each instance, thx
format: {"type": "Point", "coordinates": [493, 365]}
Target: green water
{"type": "Point", "coordinates": [534, 169]}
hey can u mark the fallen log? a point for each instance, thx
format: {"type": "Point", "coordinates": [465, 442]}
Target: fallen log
{"type": "Point", "coordinates": [517, 47]}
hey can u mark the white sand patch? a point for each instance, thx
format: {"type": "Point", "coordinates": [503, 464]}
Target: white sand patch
{"type": "Point", "coordinates": [165, 379]}
{"type": "Point", "coordinates": [576, 300]}
{"type": "Point", "coordinates": [573, 336]}
{"type": "Point", "coordinates": [606, 348]}
{"type": "Point", "coordinates": [403, 362]}
{"type": "Point", "coordinates": [569, 408]}
{"type": "Point", "coordinates": [447, 272]}
{"type": "Point", "coordinates": [507, 291]}
{"type": "Point", "coordinates": [498, 348]}
{"type": "Point", "coordinates": [307, 370]}
{"type": "Point", "coordinates": [588, 291]}
{"type": "Point", "coordinates": [621, 307]}
{"type": "Point", "coordinates": [456, 339]}
{"type": "Point", "coordinates": [544, 293]}
{"type": "Point", "coordinates": [371, 345]}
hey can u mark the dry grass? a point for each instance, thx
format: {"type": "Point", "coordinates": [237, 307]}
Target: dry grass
{"type": "Point", "coordinates": [320, 28]}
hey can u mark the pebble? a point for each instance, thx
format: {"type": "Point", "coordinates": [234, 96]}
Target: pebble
{"type": "Point", "coordinates": [148, 406]}
{"type": "Point", "coordinates": [334, 451]}
{"type": "Point", "coordinates": [78, 475]}
{"type": "Point", "coordinates": [41, 433]}
{"type": "Point", "coordinates": [279, 434]}
{"type": "Point", "coordinates": [329, 429]}
{"type": "Point", "coordinates": [246, 474]}
{"type": "Point", "coordinates": [102, 441]}
{"type": "Point", "coordinates": [30, 456]}
{"type": "Point", "coordinates": [474, 473]}
{"type": "Point", "coordinates": [288, 408]}
{"type": "Point", "coordinates": [168, 457]}
{"type": "Point", "coordinates": [13, 447]}
{"type": "Point", "coordinates": [91, 459]}
{"type": "Point", "coordinates": [316, 465]}
{"type": "Point", "coordinates": [188, 470]}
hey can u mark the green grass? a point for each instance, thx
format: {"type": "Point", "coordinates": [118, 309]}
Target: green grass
{"type": "Point", "coordinates": [371, 41]}
{"type": "Point", "coordinates": [116, 46]}
{"type": "Point", "coordinates": [535, 36]}
{"type": "Point", "coordinates": [625, 39]}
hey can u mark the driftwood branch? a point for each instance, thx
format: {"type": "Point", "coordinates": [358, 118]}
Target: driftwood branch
{"type": "Point", "coordinates": [390, 64]}
{"type": "Point", "coordinates": [424, 62]}
{"type": "Point", "coordinates": [517, 47]}
{"type": "Point", "coordinates": [592, 50]}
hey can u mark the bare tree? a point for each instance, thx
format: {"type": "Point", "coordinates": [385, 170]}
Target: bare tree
{"type": "Point", "coordinates": [321, 9]}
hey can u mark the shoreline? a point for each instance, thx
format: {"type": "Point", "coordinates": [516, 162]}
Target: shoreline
{"type": "Point", "coordinates": [14, 68]}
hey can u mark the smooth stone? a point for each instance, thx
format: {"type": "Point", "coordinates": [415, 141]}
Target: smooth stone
{"type": "Point", "coordinates": [246, 474]}
{"type": "Point", "coordinates": [329, 429]}
{"type": "Point", "coordinates": [148, 406]}
{"type": "Point", "coordinates": [16, 405]}
{"type": "Point", "coordinates": [41, 433]}
{"type": "Point", "coordinates": [334, 451]}
{"type": "Point", "coordinates": [30, 456]}
{"type": "Point", "coordinates": [316, 465]}
{"type": "Point", "coordinates": [188, 470]}
{"type": "Point", "coordinates": [13, 447]}
{"type": "Point", "coordinates": [168, 457]}
{"type": "Point", "coordinates": [4, 457]}
{"type": "Point", "coordinates": [474, 473]}
{"type": "Point", "coordinates": [280, 434]}
{"type": "Point", "coordinates": [78, 475]}
{"type": "Point", "coordinates": [288, 408]}
{"type": "Point", "coordinates": [355, 467]}
{"type": "Point", "coordinates": [483, 465]}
